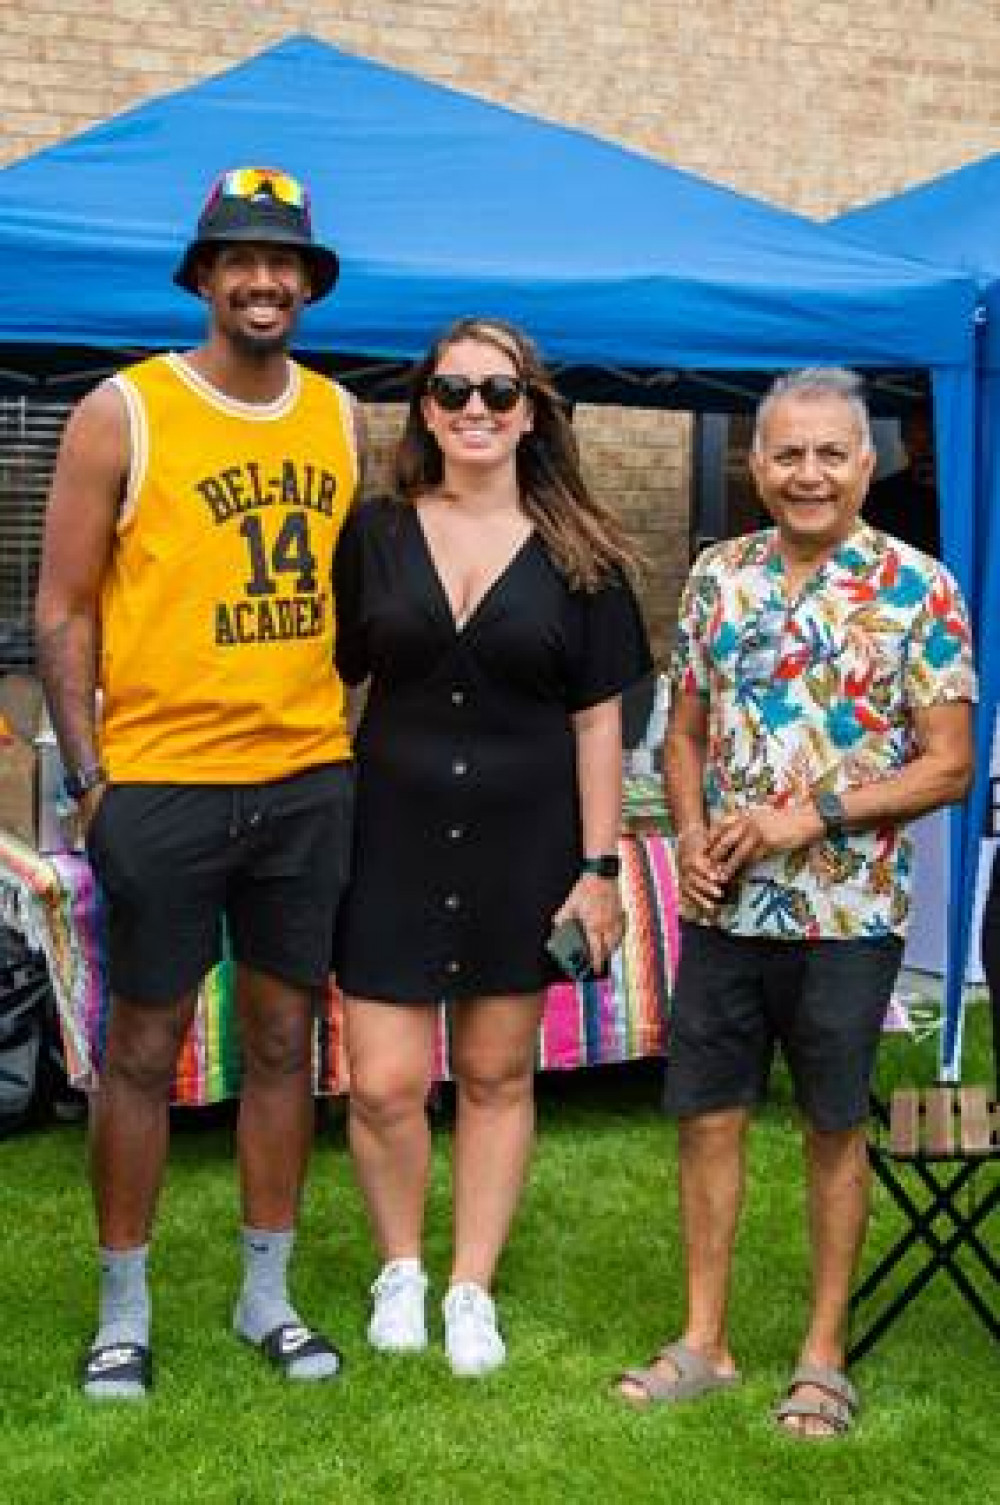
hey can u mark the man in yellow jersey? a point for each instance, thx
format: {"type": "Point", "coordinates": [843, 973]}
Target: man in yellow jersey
{"type": "Point", "coordinates": [186, 575]}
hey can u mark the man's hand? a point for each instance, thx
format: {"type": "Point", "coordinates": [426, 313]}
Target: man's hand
{"type": "Point", "coordinates": [746, 836]}
{"type": "Point", "coordinates": [702, 880]}
{"type": "Point", "coordinates": [86, 809]}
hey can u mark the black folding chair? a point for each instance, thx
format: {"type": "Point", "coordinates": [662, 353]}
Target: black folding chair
{"type": "Point", "coordinates": [945, 1137]}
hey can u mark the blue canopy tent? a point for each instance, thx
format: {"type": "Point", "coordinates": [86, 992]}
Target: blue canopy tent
{"type": "Point", "coordinates": [954, 222]}
{"type": "Point", "coordinates": [641, 283]}
{"type": "Point", "coordinates": [440, 204]}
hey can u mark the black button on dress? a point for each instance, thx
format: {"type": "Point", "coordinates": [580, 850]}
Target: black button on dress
{"type": "Point", "coordinates": [467, 830]}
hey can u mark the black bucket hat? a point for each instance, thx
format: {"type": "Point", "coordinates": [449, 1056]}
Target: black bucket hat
{"type": "Point", "coordinates": [260, 204]}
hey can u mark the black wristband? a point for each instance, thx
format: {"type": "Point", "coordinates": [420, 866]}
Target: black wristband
{"type": "Point", "coordinates": [832, 813]}
{"type": "Point", "coordinates": [607, 865]}
{"type": "Point", "coordinates": [78, 781]}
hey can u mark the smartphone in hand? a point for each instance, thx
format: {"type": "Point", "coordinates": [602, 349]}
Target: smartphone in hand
{"type": "Point", "coordinates": [567, 945]}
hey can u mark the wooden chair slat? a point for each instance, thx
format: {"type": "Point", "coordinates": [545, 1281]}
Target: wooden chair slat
{"type": "Point", "coordinates": [939, 1120]}
{"type": "Point", "coordinates": [943, 1122]}
{"type": "Point", "coordinates": [941, 1141]}
{"type": "Point", "coordinates": [974, 1109]}
{"type": "Point", "coordinates": [904, 1122]}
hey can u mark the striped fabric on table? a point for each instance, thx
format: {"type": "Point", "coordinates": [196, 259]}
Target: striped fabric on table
{"type": "Point", "coordinates": [52, 902]}
{"type": "Point", "coordinates": [623, 1017]}
{"type": "Point", "coordinates": [618, 1019]}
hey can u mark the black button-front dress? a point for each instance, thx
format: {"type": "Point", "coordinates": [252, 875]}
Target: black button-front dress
{"type": "Point", "coordinates": [467, 831]}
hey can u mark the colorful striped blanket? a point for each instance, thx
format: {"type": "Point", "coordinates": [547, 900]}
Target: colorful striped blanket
{"type": "Point", "coordinates": [56, 905]}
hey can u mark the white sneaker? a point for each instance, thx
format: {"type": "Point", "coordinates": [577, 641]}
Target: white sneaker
{"type": "Point", "coordinates": [398, 1323]}
{"type": "Point", "coordinates": [471, 1340]}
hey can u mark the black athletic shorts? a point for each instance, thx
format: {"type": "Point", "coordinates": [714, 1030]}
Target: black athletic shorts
{"type": "Point", "coordinates": [737, 996]}
{"type": "Point", "coordinates": [174, 860]}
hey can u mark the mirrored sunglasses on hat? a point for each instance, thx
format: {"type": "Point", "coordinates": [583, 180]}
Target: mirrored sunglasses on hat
{"type": "Point", "coordinates": [256, 182]}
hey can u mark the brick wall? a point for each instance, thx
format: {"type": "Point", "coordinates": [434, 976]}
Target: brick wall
{"type": "Point", "coordinates": [816, 104]}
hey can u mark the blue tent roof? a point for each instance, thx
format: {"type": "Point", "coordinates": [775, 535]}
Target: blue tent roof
{"type": "Point", "coordinates": [440, 205]}
{"type": "Point", "coordinates": [952, 222]}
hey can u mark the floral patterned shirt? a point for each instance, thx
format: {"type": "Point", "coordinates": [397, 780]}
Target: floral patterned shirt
{"type": "Point", "coordinates": [817, 693]}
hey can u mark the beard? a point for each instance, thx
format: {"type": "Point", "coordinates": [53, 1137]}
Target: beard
{"type": "Point", "coordinates": [252, 344]}
{"type": "Point", "coordinates": [259, 346]}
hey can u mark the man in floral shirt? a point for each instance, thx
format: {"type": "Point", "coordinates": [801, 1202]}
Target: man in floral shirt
{"type": "Point", "coordinates": [822, 698]}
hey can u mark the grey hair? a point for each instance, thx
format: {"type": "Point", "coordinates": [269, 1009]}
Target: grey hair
{"type": "Point", "coordinates": [817, 381]}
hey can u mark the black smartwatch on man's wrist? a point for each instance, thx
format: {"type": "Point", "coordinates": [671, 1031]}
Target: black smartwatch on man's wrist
{"type": "Point", "coordinates": [830, 808]}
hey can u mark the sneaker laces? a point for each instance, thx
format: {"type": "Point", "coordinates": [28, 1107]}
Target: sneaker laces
{"type": "Point", "coordinates": [398, 1275]}
{"type": "Point", "coordinates": [469, 1300]}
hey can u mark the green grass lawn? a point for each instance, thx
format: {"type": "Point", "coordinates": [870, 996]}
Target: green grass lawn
{"type": "Point", "coordinates": [590, 1283]}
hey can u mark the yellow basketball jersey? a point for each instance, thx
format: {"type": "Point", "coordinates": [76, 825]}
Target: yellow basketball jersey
{"type": "Point", "coordinates": [217, 623]}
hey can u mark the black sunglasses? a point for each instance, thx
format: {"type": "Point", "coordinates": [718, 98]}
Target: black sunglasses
{"type": "Point", "coordinates": [498, 393]}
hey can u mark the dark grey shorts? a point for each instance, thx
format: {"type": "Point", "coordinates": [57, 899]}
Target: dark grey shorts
{"type": "Point", "coordinates": [736, 997]}
{"type": "Point", "coordinates": [176, 860]}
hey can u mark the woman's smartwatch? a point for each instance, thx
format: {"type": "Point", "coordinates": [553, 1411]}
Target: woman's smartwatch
{"type": "Point", "coordinates": [607, 865]}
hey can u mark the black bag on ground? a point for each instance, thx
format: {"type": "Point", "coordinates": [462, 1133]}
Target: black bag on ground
{"type": "Point", "coordinates": [33, 1082]}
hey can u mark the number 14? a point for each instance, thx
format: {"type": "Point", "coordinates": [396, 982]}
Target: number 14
{"type": "Point", "coordinates": [291, 553]}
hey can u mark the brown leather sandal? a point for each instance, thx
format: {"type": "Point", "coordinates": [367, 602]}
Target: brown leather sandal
{"type": "Point", "coordinates": [836, 1408]}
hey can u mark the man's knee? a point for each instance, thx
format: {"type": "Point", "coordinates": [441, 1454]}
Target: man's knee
{"type": "Point", "coordinates": [837, 1152]}
{"type": "Point", "coordinates": [713, 1132]}
{"type": "Point", "coordinates": [143, 1046]}
{"type": "Point", "coordinates": [276, 1028]}
{"type": "Point", "coordinates": [277, 1049]}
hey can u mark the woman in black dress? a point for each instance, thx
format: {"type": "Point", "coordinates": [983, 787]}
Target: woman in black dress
{"type": "Point", "coordinates": [488, 604]}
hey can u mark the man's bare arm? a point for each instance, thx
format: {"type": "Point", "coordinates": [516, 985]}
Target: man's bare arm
{"type": "Point", "coordinates": [684, 749]}
{"type": "Point", "coordinates": [684, 752]}
{"type": "Point", "coordinates": [84, 501]}
{"type": "Point", "coordinates": [940, 774]}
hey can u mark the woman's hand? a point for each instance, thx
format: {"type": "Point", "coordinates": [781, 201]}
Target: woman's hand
{"type": "Point", "coordinates": [597, 903]}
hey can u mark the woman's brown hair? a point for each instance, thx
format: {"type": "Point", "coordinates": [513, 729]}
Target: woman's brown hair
{"type": "Point", "coordinates": [584, 539]}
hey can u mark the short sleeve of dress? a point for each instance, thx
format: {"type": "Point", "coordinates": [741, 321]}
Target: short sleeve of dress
{"type": "Point", "coordinates": [351, 645]}
{"type": "Point", "coordinates": [939, 665]}
{"type": "Point", "coordinates": [689, 660]}
{"type": "Point", "coordinates": [612, 649]}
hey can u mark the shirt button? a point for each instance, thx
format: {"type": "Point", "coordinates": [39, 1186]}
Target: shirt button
{"type": "Point", "coordinates": [458, 697]}
{"type": "Point", "coordinates": [452, 901]}
{"type": "Point", "coordinates": [455, 833]}
{"type": "Point", "coordinates": [453, 968]}
{"type": "Point", "coordinates": [459, 768]}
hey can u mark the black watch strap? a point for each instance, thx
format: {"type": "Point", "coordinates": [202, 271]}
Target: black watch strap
{"type": "Point", "coordinates": [607, 865]}
{"type": "Point", "coordinates": [78, 781]}
{"type": "Point", "coordinates": [832, 813]}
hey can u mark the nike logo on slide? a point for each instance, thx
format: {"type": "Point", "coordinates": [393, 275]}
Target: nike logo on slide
{"type": "Point", "coordinates": [111, 1358]}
